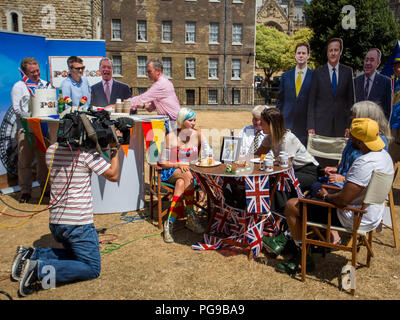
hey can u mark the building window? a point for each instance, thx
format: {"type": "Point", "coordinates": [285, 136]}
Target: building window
{"type": "Point", "coordinates": [212, 68]}
{"type": "Point", "coordinates": [214, 33]}
{"type": "Point", "coordinates": [141, 30]}
{"type": "Point", "coordinates": [236, 66]}
{"type": "Point", "coordinates": [117, 65]}
{"type": "Point", "coordinates": [116, 29]}
{"type": "Point", "coordinates": [212, 96]}
{"type": "Point", "coordinates": [167, 67]}
{"type": "Point", "coordinates": [141, 66]}
{"type": "Point", "coordinates": [235, 96]}
{"type": "Point", "coordinates": [190, 68]}
{"type": "Point", "coordinates": [141, 90]}
{"type": "Point", "coordinates": [190, 97]}
{"type": "Point", "coordinates": [14, 20]}
{"type": "Point", "coordinates": [166, 31]}
{"type": "Point", "coordinates": [190, 32]}
{"type": "Point", "coordinates": [237, 31]}
{"type": "Point", "coordinates": [237, 1]}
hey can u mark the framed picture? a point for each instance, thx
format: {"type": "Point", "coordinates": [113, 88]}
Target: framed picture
{"type": "Point", "coordinates": [230, 149]}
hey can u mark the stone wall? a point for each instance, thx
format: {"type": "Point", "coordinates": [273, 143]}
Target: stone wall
{"type": "Point", "coordinates": [77, 19]}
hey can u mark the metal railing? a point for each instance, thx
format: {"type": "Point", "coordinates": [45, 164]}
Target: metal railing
{"type": "Point", "coordinates": [191, 96]}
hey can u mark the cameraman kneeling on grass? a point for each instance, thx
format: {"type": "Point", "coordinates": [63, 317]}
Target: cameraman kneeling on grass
{"type": "Point", "coordinates": [71, 220]}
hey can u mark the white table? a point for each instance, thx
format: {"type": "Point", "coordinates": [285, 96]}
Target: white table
{"type": "Point", "coordinates": [128, 193]}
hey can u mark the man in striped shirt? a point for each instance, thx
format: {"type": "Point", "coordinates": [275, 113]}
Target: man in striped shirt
{"type": "Point", "coordinates": [71, 220]}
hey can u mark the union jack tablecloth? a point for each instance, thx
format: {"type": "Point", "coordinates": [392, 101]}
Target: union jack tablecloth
{"type": "Point", "coordinates": [250, 225]}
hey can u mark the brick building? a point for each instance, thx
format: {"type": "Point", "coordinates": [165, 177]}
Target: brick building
{"type": "Point", "coordinates": [78, 19]}
{"type": "Point", "coordinates": [207, 46]}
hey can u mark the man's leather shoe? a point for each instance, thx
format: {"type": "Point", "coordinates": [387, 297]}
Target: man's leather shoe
{"type": "Point", "coordinates": [275, 244]}
{"type": "Point", "coordinates": [25, 197]}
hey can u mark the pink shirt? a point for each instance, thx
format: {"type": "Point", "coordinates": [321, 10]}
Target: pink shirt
{"type": "Point", "coordinates": [162, 96]}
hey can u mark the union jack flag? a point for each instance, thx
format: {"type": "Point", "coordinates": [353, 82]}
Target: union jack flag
{"type": "Point", "coordinates": [219, 225]}
{"type": "Point", "coordinates": [210, 243]}
{"type": "Point", "coordinates": [254, 236]}
{"type": "Point", "coordinates": [257, 194]}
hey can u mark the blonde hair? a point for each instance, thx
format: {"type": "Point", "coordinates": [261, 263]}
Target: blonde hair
{"type": "Point", "coordinates": [183, 115]}
{"type": "Point", "coordinates": [371, 110]}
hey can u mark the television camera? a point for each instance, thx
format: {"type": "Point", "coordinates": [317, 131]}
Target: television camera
{"type": "Point", "coordinates": [92, 130]}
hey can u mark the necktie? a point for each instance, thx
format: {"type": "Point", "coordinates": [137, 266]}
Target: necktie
{"type": "Point", "coordinates": [334, 80]}
{"type": "Point", "coordinates": [298, 83]}
{"type": "Point", "coordinates": [256, 141]}
{"type": "Point", "coordinates": [366, 89]}
{"type": "Point", "coordinates": [107, 91]}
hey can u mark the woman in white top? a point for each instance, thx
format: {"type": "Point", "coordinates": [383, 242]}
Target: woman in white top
{"type": "Point", "coordinates": [278, 139]}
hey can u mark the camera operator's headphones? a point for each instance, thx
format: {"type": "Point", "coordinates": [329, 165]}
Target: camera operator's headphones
{"type": "Point", "coordinates": [92, 134]}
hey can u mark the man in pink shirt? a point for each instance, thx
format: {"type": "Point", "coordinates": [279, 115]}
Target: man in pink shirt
{"type": "Point", "coordinates": [161, 94]}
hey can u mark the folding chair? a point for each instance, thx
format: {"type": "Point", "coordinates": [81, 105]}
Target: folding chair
{"type": "Point", "coordinates": [326, 147]}
{"type": "Point", "coordinates": [156, 190]}
{"type": "Point", "coordinates": [390, 204]}
{"type": "Point", "coordinates": [377, 192]}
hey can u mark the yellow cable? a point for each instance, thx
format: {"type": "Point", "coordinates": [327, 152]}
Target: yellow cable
{"type": "Point", "coordinates": [40, 201]}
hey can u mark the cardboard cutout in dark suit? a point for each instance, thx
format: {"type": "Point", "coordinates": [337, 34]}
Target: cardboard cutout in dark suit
{"type": "Point", "coordinates": [328, 113]}
{"type": "Point", "coordinates": [119, 90]}
{"type": "Point", "coordinates": [294, 109]}
{"type": "Point", "coordinates": [380, 93]}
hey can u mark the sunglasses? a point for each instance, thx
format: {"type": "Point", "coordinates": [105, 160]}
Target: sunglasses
{"type": "Point", "coordinates": [79, 68]}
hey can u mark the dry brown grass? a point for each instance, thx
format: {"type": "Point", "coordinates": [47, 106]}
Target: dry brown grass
{"type": "Point", "coordinates": [148, 268]}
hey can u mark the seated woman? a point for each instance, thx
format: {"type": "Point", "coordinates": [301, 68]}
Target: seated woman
{"type": "Point", "coordinates": [278, 139]}
{"type": "Point", "coordinates": [362, 109]}
{"type": "Point", "coordinates": [181, 147]}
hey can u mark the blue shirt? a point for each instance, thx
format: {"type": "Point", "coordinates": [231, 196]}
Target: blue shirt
{"type": "Point", "coordinates": [76, 90]}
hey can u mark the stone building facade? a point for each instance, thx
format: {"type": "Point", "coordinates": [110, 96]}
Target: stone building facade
{"type": "Point", "coordinates": [207, 46]}
{"type": "Point", "coordinates": [58, 19]}
{"type": "Point", "coordinates": [285, 15]}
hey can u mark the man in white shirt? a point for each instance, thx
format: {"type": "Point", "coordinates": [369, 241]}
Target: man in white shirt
{"type": "Point", "coordinates": [252, 135]}
{"type": "Point", "coordinates": [21, 93]}
{"type": "Point", "coordinates": [364, 135]}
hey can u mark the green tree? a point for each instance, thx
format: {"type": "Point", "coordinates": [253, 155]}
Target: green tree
{"type": "Point", "coordinates": [270, 47]}
{"type": "Point", "coordinates": [375, 26]}
{"type": "Point", "coordinates": [302, 35]}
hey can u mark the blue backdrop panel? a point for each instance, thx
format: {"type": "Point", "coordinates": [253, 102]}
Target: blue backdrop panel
{"type": "Point", "coordinates": [17, 46]}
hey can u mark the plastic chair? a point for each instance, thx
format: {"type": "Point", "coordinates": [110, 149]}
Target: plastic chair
{"type": "Point", "coordinates": [326, 147]}
{"type": "Point", "coordinates": [377, 193]}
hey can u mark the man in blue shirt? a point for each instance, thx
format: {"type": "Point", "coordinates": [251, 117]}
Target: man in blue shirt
{"type": "Point", "coordinates": [76, 85]}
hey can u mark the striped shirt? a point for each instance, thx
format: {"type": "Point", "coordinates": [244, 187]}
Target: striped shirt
{"type": "Point", "coordinates": [71, 198]}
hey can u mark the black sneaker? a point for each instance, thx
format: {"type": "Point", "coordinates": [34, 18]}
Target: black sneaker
{"type": "Point", "coordinates": [28, 277]}
{"type": "Point", "coordinates": [22, 253]}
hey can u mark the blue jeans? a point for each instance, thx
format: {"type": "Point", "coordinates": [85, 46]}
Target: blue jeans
{"type": "Point", "coordinates": [79, 260]}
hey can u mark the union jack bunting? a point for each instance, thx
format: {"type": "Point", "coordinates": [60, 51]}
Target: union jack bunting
{"type": "Point", "coordinates": [29, 83]}
{"type": "Point", "coordinates": [257, 194]}
{"type": "Point", "coordinates": [254, 236]}
{"type": "Point", "coordinates": [284, 179]}
{"type": "Point", "coordinates": [295, 182]}
{"type": "Point", "coordinates": [216, 184]}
